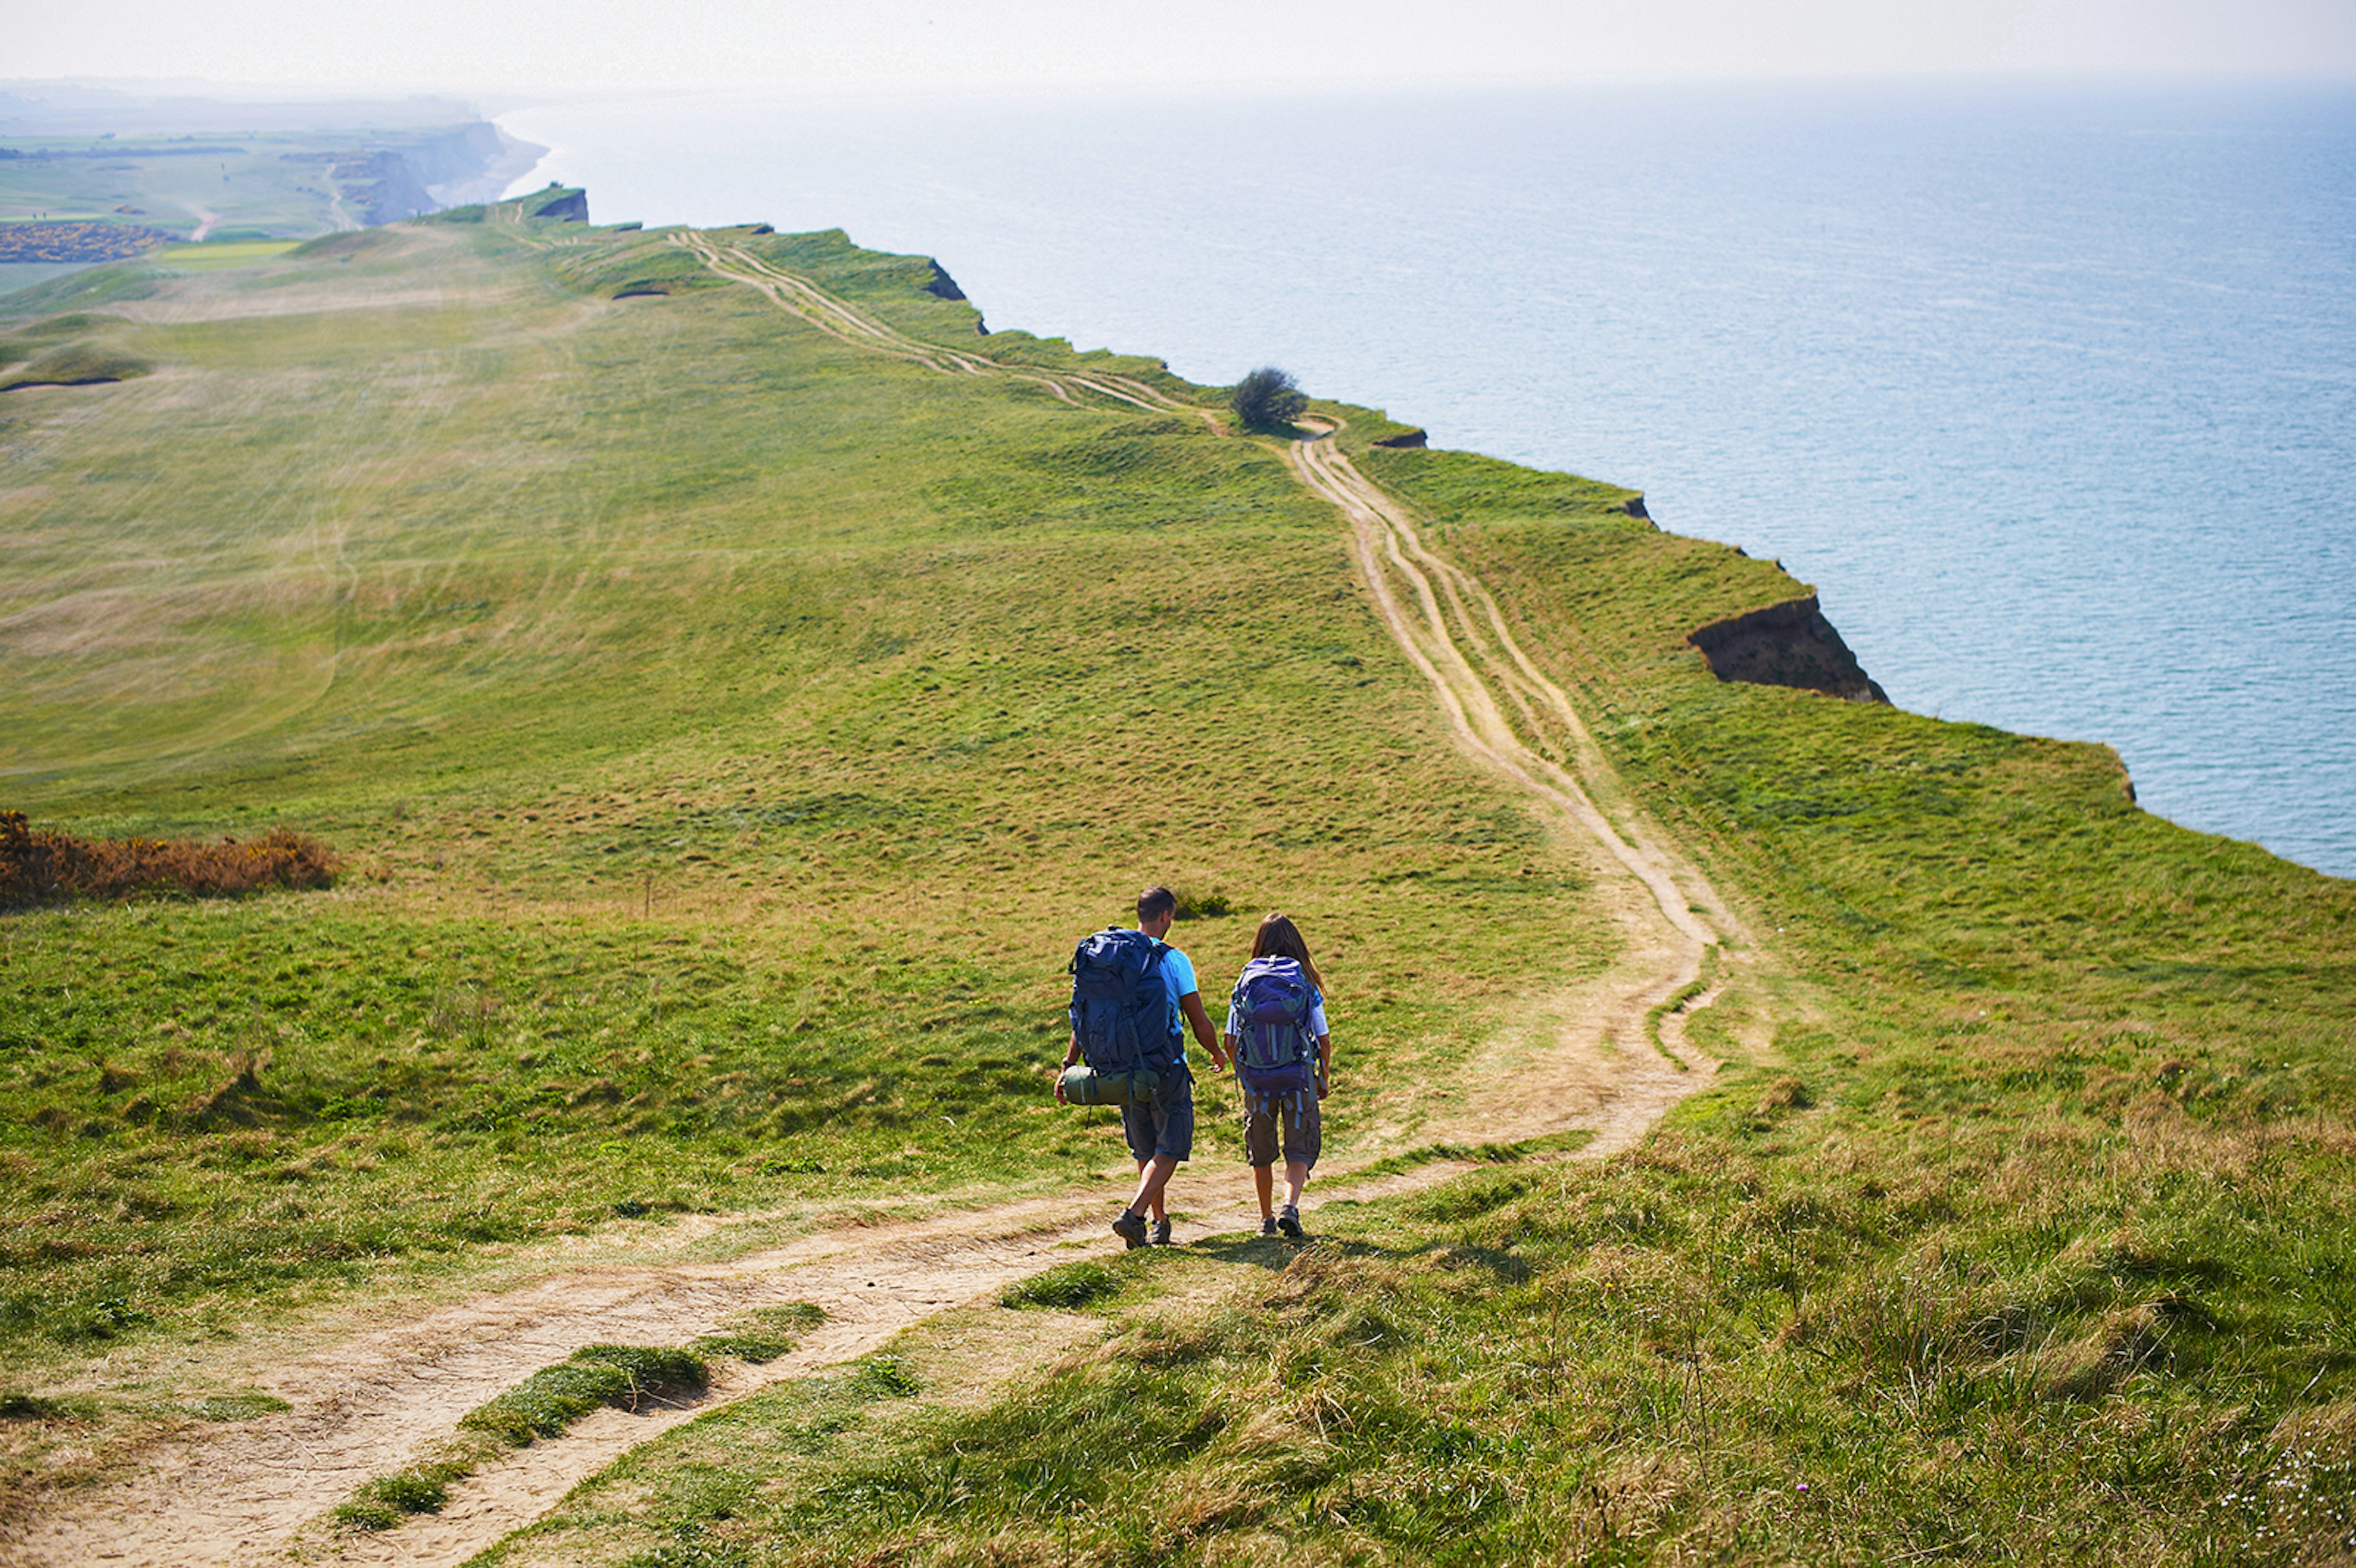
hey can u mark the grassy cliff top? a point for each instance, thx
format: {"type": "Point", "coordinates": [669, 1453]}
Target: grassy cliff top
{"type": "Point", "coordinates": [728, 730]}
{"type": "Point", "coordinates": [731, 712]}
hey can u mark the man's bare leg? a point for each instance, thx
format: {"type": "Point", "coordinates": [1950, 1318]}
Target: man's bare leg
{"type": "Point", "coordinates": [1296, 1177]}
{"type": "Point", "coordinates": [1152, 1177]}
{"type": "Point", "coordinates": [1264, 1183]}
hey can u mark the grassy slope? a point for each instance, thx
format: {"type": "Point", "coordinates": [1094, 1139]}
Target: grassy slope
{"type": "Point", "coordinates": [730, 732]}
{"type": "Point", "coordinates": [2027, 1242]}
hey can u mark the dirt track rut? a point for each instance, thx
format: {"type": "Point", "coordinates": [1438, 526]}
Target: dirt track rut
{"type": "Point", "coordinates": [369, 1405]}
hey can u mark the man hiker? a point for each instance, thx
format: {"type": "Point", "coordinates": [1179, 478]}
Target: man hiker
{"type": "Point", "coordinates": [1160, 1130]}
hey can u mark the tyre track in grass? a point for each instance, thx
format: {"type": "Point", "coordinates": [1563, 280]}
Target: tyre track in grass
{"type": "Point", "coordinates": [846, 323]}
{"type": "Point", "coordinates": [367, 1403]}
{"type": "Point", "coordinates": [1446, 622]}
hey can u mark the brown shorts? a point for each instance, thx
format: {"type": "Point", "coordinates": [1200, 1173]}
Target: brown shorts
{"type": "Point", "coordinates": [1289, 1122]}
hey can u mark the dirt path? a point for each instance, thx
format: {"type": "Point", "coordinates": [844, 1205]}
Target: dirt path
{"type": "Point", "coordinates": [1450, 629]}
{"type": "Point", "coordinates": [846, 323]}
{"type": "Point", "coordinates": [246, 1492]}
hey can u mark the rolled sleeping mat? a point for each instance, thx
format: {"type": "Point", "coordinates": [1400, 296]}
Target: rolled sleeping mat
{"type": "Point", "coordinates": [1084, 1085]}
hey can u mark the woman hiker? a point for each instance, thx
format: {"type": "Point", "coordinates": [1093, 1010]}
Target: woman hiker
{"type": "Point", "coordinates": [1284, 1060]}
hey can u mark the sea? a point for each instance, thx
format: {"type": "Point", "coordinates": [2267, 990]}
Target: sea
{"type": "Point", "coordinates": [2049, 388]}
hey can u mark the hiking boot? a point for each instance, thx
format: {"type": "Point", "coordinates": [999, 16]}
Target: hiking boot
{"type": "Point", "coordinates": [1160, 1233]}
{"type": "Point", "coordinates": [1267, 1224]}
{"type": "Point", "coordinates": [1289, 1222]}
{"type": "Point", "coordinates": [1130, 1228]}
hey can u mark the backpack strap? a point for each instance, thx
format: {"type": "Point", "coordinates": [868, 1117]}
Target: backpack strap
{"type": "Point", "coordinates": [1173, 1044]}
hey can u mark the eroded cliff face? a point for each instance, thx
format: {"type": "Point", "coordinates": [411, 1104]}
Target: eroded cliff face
{"type": "Point", "coordinates": [1789, 643]}
{"type": "Point", "coordinates": [380, 185]}
{"type": "Point", "coordinates": [569, 206]}
{"type": "Point", "coordinates": [941, 286]}
{"type": "Point", "coordinates": [387, 189]}
{"type": "Point", "coordinates": [455, 155]}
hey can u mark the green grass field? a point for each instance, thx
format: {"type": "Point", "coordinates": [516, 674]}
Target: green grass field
{"type": "Point", "coordinates": [2027, 1242]}
{"type": "Point", "coordinates": [730, 731]}
{"type": "Point", "coordinates": [212, 258]}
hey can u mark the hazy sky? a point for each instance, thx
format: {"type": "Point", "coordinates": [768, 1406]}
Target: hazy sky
{"type": "Point", "coordinates": [600, 45]}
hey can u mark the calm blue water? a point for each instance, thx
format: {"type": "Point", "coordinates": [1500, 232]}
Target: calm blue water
{"type": "Point", "coordinates": [2051, 393]}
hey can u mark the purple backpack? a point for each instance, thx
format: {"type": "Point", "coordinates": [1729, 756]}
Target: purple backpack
{"type": "Point", "coordinates": [1274, 1047]}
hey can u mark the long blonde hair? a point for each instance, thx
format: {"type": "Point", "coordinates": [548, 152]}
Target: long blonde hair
{"type": "Point", "coordinates": [1277, 937]}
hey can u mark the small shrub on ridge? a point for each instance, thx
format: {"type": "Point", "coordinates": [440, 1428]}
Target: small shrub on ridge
{"type": "Point", "coordinates": [1268, 399]}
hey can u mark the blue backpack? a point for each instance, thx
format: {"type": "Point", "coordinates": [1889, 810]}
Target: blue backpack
{"type": "Point", "coordinates": [1121, 1016]}
{"type": "Point", "coordinates": [1275, 1050]}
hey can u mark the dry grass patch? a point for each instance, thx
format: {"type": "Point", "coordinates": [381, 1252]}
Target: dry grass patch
{"type": "Point", "coordinates": [41, 866]}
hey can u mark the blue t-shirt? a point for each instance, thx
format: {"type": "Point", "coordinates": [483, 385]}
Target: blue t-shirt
{"type": "Point", "coordinates": [1178, 974]}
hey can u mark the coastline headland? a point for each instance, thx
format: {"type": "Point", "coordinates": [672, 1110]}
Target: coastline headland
{"type": "Point", "coordinates": [93, 195]}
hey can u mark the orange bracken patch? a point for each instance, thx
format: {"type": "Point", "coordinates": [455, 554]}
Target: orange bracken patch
{"type": "Point", "coordinates": [41, 866]}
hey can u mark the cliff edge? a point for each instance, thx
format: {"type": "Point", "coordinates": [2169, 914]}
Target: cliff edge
{"type": "Point", "coordinates": [1790, 644]}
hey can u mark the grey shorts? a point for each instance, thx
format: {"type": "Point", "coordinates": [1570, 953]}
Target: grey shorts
{"type": "Point", "coordinates": [1165, 1125]}
{"type": "Point", "coordinates": [1287, 1122]}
